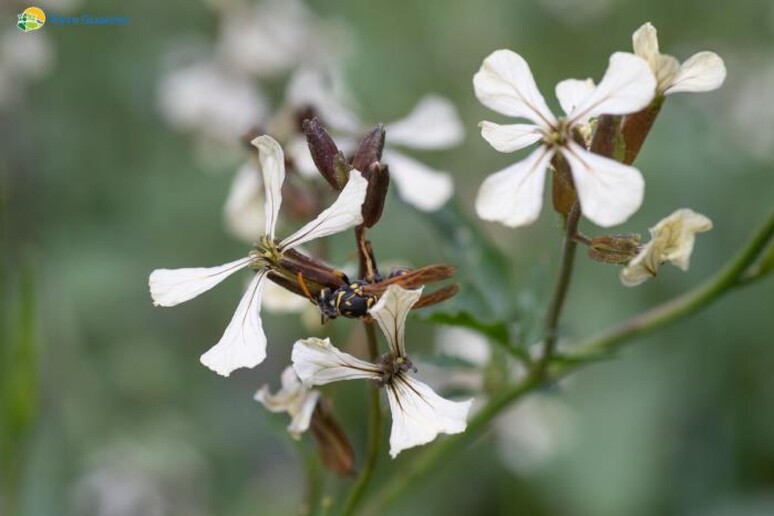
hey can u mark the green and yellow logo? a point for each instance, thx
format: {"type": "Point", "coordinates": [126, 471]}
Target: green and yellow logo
{"type": "Point", "coordinates": [33, 18]}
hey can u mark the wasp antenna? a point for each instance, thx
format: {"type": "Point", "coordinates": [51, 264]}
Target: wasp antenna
{"type": "Point", "coordinates": [303, 286]}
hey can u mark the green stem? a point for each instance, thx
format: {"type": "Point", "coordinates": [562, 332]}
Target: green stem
{"type": "Point", "coordinates": [562, 285]}
{"type": "Point", "coordinates": [374, 432]}
{"type": "Point", "coordinates": [313, 483]}
{"type": "Point", "coordinates": [693, 301]}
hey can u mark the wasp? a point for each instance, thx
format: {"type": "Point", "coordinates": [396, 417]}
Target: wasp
{"type": "Point", "coordinates": [336, 296]}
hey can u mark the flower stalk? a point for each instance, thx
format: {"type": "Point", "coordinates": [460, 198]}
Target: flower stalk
{"type": "Point", "coordinates": [374, 431]}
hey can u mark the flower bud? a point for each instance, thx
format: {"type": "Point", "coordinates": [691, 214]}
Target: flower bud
{"type": "Point", "coordinates": [325, 153]}
{"type": "Point", "coordinates": [370, 149]}
{"type": "Point", "coordinates": [378, 177]}
{"type": "Point", "coordinates": [336, 453]}
{"type": "Point", "coordinates": [618, 249]}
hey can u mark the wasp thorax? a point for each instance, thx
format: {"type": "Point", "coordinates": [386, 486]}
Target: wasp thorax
{"type": "Point", "coordinates": [392, 366]}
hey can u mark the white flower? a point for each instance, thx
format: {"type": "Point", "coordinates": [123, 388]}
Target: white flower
{"type": "Point", "coordinates": [672, 241]}
{"type": "Point", "coordinates": [418, 413]}
{"type": "Point", "coordinates": [244, 344]}
{"type": "Point", "coordinates": [433, 124]}
{"type": "Point", "coordinates": [703, 71]}
{"type": "Point", "coordinates": [211, 101]}
{"type": "Point", "coordinates": [609, 191]}
{"type": "Point", "coordinates": [293, 398]}
{"type": "Point", "coordinates": [271, 37]}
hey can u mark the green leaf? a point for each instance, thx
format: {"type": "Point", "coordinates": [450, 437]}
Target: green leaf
{"type": "Point", "coordinates": [485, 302]}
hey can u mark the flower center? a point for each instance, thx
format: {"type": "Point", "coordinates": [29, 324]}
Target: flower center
{"type": "Point", "coordinates": [392, 366]}
{"type": "Point", "coordinates": [558, 135]}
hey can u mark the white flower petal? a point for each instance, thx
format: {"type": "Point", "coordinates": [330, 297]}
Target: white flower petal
{"type": "Point", "coordinates": [641, 268]}
{"type": "Point", "coordinates": [627, 87]}
{"type": "Point", "coordinates": [609, 191]}
{"type": "Point", "coordinates": [272, 164]}
{"type": "Point", "coordinates": [573, 92]}
{"type": "Point", "coordinates": [514, 195]}
{"type": "Point", "coordinates": [318, 362]}
{"type": "Point", "coordinates": [243, 344]}
{"type": "Point", "coordinates": [391, 311]}
{"type": "Point", "coordinates": [298, 150]}
{"type": "Point", "coordinates": [510, 138]}
{"type": "Point", "coordinates": [169, 287]}
{"type": "Point", "coordinates": [343, 214]}
{"type": "Point", "coordinates": [704, 71]}
{"type": "Point", "coordinates": [645, 43]}
{"type": "Point", "coordinates": [419, 185]}
{"type": "Point", "coordinates": [311, 87]}
{"type": "Point", "coordinates": [293, 398]}
{"type": "Point", "coordinates": [505, 84]}
{"type": "Point", "coordinates": [672, 240]}
{"type": "Point", "coordinates": [419, 414]}
{"type": "Point", "coordinates": [244, 209]}
{"type": "Point", "coordinates": [433, 124]}
{"type": "Point", "coordinates": [299, 422]}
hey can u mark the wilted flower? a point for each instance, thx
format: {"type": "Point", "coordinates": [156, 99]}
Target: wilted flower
{"type": "Point", "coordinates": [293, 398]}
{"type": "Point", "coordinates": [244, 344]}
{"type": "Point", "coordinates": [418, 413]}
{"type": "Point", "coordinates": [703, 71]}
{"type": "Point", "coordinates": [609, 191]}
{"type": "Point", "coordinates": [671, 241]}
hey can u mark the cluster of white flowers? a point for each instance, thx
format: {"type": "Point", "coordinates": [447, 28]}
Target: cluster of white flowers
{"type": "Point", "coordinates": [608, 191]}
{"type": "Point", "coordinates": [209, 95]}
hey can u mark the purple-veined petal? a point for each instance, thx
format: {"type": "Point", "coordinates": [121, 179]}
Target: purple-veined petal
{"type": "Point", "coordinates": [343, 214]}
{"type": "Point", "coordinates": [627, 86]}
{"type": "Point", "coordinates": [419, 185]}
{"type": "Point", "coordinates": [391, 311]}
{"type": "Point", "coordinates": [510, 138]}
{"type": "Point", "coordinates": [169, 287]}
{"type": "Point", "coordinates": [704, 71]}
{"type": "Point", "coordinates": [573, 92]}
{"type": "Point", "coordinates": [317, 362]}
{"type": "Point", "coordinates": [609, 191]}
{"type": "Point", "coordinates": [433, 124]}
{"type": "Point", "coordinates": [505, 84]}
{"type": "Point", "coordinates": [243, 344]}
{"type": "Point", "coordinates": [419, 414]}
{"type": "Point", "coordinates": [514, 195]}
{"type": "Point", "coordinates": [272, 164]}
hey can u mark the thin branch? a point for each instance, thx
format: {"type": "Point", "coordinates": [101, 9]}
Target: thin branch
{"type": "Point", "coordinates": [562, 285]}
{"type": "Point", "coordinates": [374, 432]}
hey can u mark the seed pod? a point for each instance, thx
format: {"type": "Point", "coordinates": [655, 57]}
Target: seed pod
{"type": "Point", "coordinates": [325, 153]}
{"type": "Point", "coordinates": [370, 149]}
{"type": "Point", "coordinates": [618, 249]}
{"type": "Point", "coordinates": [378, 177]}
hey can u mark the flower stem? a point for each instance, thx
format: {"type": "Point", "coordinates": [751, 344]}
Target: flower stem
{"type": "Point", "coordinates": [374, 432]}
{"type": "Point", "coordinates": [562, 285]}
{"type": "Point", "coordinates": [683, 306]}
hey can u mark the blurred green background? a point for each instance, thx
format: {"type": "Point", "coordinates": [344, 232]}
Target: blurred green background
{"type": "Point", "coordinates": [106, 409]}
